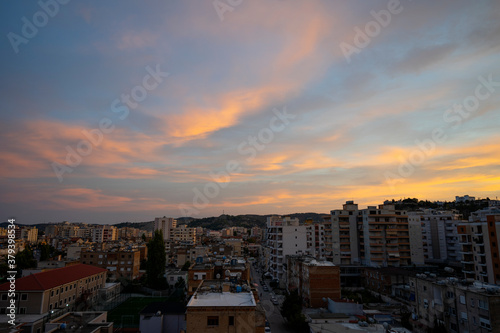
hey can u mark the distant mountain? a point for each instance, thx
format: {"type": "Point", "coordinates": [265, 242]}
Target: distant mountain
{"type": "Point", "coordinates": [149, 226]}
{"type": "Point", "coordinates": [247, 221]}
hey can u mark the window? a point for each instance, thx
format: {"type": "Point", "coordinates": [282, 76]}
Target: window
{"type": "Point", "coordinates": [231, 320]}
{"type": "Point", "coordinates": [2, 310]}
{"type": "Point", "coordinates": [51, 293]}
{"type": "Point", "coordinates": [4, 297]}
{"type": "Point", "coordinates": [22, 310]}
{"type": "Point", "coordinates": [482, 304]}
{"type": "Point", "coordinates": [212, 321]}
{"type": "Point", "coordinates": [462, 299]}
{"type": "Point", "coordinates": [24, 297]}
{"type": "Point", "coordinates": [472, 302]}
{"type": "Point", "coordinates": [463, 315]}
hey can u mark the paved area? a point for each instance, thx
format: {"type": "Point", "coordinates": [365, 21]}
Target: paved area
{"type": "Point", "coordinates": [272, 311]}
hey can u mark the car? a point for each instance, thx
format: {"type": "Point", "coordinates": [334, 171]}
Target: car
{"type": "Point", "coordinates": [267, 330]}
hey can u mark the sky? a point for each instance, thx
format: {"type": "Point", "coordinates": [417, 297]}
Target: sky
{"type": "Point", "coordinates": [123, 110]}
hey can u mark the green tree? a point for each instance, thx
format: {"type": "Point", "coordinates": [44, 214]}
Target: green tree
{"type": "Point", "coordinates": [291, 310]}
{"type": "Point", "coordinates": [180, 284]}
{"type": "Point", "coordinates": [155, 268]}
{"type": "Point", "coordinates": [186, 266]}
{"type": "Point", "coordinates": [25, 259]}
{"type": "Point", "coordinates": [46, 252]}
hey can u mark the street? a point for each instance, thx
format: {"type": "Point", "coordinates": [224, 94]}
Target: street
{"type": "Point", "coordinates": [272, 311]}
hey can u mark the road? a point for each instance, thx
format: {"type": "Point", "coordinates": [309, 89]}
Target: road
{"type": "Point", "coordinates": [272, 311]}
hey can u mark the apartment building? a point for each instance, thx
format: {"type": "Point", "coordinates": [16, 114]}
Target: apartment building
{"type": "Point", "coordinates": [29, 234]}
{"type": "Point", "coordinates": [232, 270]}
{"type": "Point", "coordinates": [479, 240]}
{"type": "Point", "coordinates": [470, 307]}
{"type": "Point", "coordinates": [219, 306]}
{"type": "Point", "coordinates": [375, 236]}
{"type": "Point", "coordinates": [183, 235]}
{"type": "Point", "coordinates": [439, 235]}
{"type": "Point", "coordinates": [345, 242]}
{"type": "Point", "coordinates": [314, 279]}
{"type": "Point", "coordinates": [104, 233]}
{"type": "Point", "coordinates": [284, 237]}
{"type": "Point", "coordinates": [118, 263]}
{"type": "Point", "coordinates": [165, 224]}
{"type": "Point", "coordinates": [315, 239]}
{"type": "Point", "coordinates": [54, 289]}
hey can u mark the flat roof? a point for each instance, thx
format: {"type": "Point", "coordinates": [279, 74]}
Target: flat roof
{"type": "Point", "coordinates": [211, 299]}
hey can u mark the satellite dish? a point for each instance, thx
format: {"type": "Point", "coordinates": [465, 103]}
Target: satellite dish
{"type": "Point", "coordinates": [228, 272]}
{"type": "Point", "coordinates": [218, 276]}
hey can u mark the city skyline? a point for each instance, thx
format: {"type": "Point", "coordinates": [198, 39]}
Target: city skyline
{"type": "Point", "coordinates": [122, 113]}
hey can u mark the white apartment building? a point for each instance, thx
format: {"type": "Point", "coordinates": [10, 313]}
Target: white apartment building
{"type": "Point", "coordinates": [104, 233]}
{"type": "Point", "coordinates": [439, 235]}
{"type": "Point", "coordinates": [165, 224]}
{"type": "Point", "coordinates": [184, 235]}
{"type": "Point", "coordinates": [375, 236]}
{"type": "Point", "coordinates": [479, 241]}
{"type": "Point", "coordinates": [284, 237]}
{"type": "Point", "coordinates": [315, 240]}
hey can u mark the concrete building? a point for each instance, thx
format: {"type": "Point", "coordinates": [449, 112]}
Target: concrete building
{"type": "Point", "coordinates": [465, 198]}
{"type": "Point", "coordinates": [315, 239]}
{"type": "Point", "coordinates": [30, 235]}
{"type": "Point", "coordinates": [165, 224]}
{"type": "Point", "coordinates": [118, 263]}
{"type": "Point", "coordinates": [375, 236]}
{"type": "Point", "coordinates": [284, 237]}
{"type": "Point", "coordinates": [183, 235]}
{"type": "Point", "coordinates": [480, 241]}
{"type": "Point", "coordinates": [218, 307]}
{"type": "Point", "coordinates": [345, 242]}
{"type": "Point", "coordinates": [73, 251]}
{"type": "Point", "coordinates": [314, 280]}
{"type": "Point", "coordinates": [173, 275]}
{"type": "Point", "coordinates": [104, 233]}
{"type": "Point", "coordinates": [439, 235]}
{"type": "Point", "coordinates": [219, 269]}
{"type": "Point", "coordinates": [59, 288]}
{"type": "Point", "coordinates": [471, 307]}
{"type": "Point", "coordinates": [163, 317]}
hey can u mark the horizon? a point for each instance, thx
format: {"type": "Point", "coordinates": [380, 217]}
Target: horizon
{"type": "Point", "coordinates": [112, 111]}
{"type": "Point", "coordinates": [360, 206]}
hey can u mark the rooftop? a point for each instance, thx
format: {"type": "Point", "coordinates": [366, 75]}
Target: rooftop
{"type": "Point", "coordinates": [54, 278]}
{"type": "Point", "coordinates": [216, 299]}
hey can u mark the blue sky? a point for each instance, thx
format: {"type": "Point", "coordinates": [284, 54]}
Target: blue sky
{"type": "Point", "coordinates": [354, 126]}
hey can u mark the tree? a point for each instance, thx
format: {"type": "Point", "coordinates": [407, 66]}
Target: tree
{"type": "Point", "coordinates": [25, 259]}
{"type": "Point", "coordinates": [186, 266]}
{"type": "Point", "coordinates": [46, 252]}
{"type": "Point", "coordinates": [291, 310]}
{"type": "Point", "coordinates": [180, 284]}
{"type": "Point", "coordinates": [155, 268]}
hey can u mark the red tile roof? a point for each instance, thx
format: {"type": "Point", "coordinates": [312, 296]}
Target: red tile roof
{"type": "Point", "coordinates": [54, 278]}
